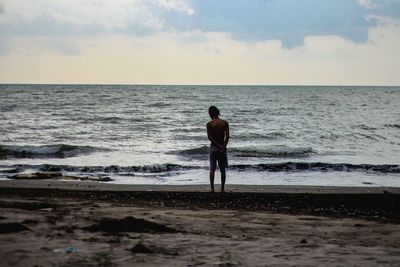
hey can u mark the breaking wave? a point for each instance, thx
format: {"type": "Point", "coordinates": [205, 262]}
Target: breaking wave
{"type": "Point", "coordinates": [165, 168]}
{"type": "Point", "coordinates": [202, 150]}
{"type": "Point", "coordinates": [270, 152]}
{"type": "Point", "coordinates": [156, 168]}
{"type": "Point", "coordinates": [393, 126]}
{"type": "Point", "coordinates": [60, 151]}
{"type": "Point", "coordinates": [260, 136]}
{"type": "Point", "coordinates": [318, 166]}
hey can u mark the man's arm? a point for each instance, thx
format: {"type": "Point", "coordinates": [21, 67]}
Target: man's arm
{"type": "Point", "coordinates": [226, 139]}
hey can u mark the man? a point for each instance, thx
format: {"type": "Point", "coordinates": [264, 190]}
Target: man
{"type": "Point", "coordinates": [218, 134]}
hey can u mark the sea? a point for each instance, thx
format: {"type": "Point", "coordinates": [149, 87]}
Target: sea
{"type": "Point", "coordinates": [156, 134]}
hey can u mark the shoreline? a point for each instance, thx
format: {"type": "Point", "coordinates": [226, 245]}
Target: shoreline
{"type": "Point", "coordinates": [379, 204]}
{"type": "Point", "coordinates": [230, 188]}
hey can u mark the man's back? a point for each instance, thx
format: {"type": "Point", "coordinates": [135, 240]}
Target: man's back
{"type": "Point", "coordinates": [217, 129]}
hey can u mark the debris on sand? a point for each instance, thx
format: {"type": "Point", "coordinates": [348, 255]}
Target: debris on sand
{"type": "Point", "coordinates": [152, 249]}
{"type": "Point", "coordinates": [140, 248]}
{"type": "Point", "coordinates": [129, 224]}
{"type": "Point", "coordinates": [27, 205]}
{"type": "Point", "coordinates": [303, 241]}
{"type": "Point", "coordinates": [67, 250]}
{"type": "Point", "coordinates": [36, 175]}
{"type": "Point", "coordinates": [6, 228]}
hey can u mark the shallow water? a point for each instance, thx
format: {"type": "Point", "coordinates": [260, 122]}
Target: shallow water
{"type": "Point", "coordinates": [348, 136]}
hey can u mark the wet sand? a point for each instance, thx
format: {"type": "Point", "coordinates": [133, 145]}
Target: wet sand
{"type": "Point", "coordinates": [90, 224]}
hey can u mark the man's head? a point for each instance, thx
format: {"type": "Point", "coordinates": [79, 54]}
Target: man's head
{"type": "Point", "coordinates": [213, 112]}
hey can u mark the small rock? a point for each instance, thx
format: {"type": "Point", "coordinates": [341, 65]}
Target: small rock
{"type": "Point", "coordinates": [7, 228]}
{"type": "Point", "coordinates": [70, 249]}
{"type": "Point", "coordinates": [140, 248]}
{"type": "Point", "coordinates": [47, 209]}
{"type": "Point", "coordinates": [36, 175]}
{"type": "Point", "coordinates": [303, 241]}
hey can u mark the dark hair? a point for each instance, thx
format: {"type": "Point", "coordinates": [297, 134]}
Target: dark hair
{"type": "Point", "coordinates": [213, 111]}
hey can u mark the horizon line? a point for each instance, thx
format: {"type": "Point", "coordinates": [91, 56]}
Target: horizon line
{"type": "Point", "coordinates": [171, 84]}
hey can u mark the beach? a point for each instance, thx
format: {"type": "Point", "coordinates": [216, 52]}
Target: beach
{"type": "Point", "coordinates": [199, 133]}
{"type": "Point", "coordinates": [64, 223]}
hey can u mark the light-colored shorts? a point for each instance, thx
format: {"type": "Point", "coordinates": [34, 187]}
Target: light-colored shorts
{"type": "Point", "coordinates": [217, 155]}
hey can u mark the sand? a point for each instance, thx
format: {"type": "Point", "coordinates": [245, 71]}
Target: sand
{"type": "Point", "coordinates": [97, 224]}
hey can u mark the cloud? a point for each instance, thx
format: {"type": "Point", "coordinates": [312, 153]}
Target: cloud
{"type": "Point", "coordinates": [176, 5]}
{"type": "Point", "coordinates": [196, 41]}
{"type": "Point", "coordinates": [67, 18]}
{"type": "Point", "coordinates": [213, 58]}
{"type": "Point", "coordinates": [87, 17]}
{"type": "Point", "coordinates": [384, 21]}
{"type": "Point", "coordinates": [289, 21]}
{"type": "Point", "coordinates": [369, 4]}
{"type": "Point", "coordinates": [4, 48]}
{"type": "Point", "coordinates": [384, 8]}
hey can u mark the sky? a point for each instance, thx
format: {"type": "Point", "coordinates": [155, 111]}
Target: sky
{"type": "Point", "coordinates": [260, 42]}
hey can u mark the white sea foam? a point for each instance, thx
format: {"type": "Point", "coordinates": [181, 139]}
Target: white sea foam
{"type": "Point", "coordinates": [60, 150]}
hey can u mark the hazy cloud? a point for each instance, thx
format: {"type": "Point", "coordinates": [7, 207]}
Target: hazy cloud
{"type": "Point", "coordinates": [289, 21]}
{"type": "Point", "coordinates": [87, 17]}
{"type": "Point", "coordinates": [4, 48]}
{"type": "Point", "coordinates": [200, 41]}
{"type": "Point", "coordinates": [369, 4]}
{"type": "Point", "coordinates": [177, 5]}
{"type": "Point", "coordinates": [214, 58]}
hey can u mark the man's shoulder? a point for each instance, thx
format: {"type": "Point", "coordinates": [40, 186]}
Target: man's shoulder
{"type": "Point", "coordinates": [221, 121]}
{"type": "Point", "coordinates": [224, 121]}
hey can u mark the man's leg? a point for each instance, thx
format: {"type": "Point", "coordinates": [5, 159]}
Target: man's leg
{"type": "Point", "coordinates": [223, 163]}
{"type": "Point", "coordinates": [212, 176]}
{"type": "Point", "coordinates": [213, 167]}
{"type": "Point", "coordinates": [223, 178]}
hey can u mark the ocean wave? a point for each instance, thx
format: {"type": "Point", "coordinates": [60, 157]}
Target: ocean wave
{"type": "Point", "coordinates": [277, 151]}
{"type": "Point", "coordinates": [272, 151]}
{"type": "Point", "coordinates": [102, 119]}
{"type": "Point", "coordinates": [260, 136]}
{"type": "Point", "coordinates": [202, 150]}
{"type": "Point", "coordinates": [8, 108]}
{"type": "Point", "coordinates": [365, 127]}
{"type": "Point", "coordinates": [159, 104]}
{"type": "Point", "coordinates": [191, 137]}
{"type": "Point", "coordinates": [124, 170]}
{"type": "Point", "coordinates": [288, 166]}
{"type": "Point", "coordinates": [318, 166]}
{"type": "Point", "coordinates": [393, 126]}
{"type": "Point", "coordinates": [60, 151]}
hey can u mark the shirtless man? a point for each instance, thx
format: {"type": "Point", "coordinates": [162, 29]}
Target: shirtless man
{"type": "Point", "coordinates": [218, 134]}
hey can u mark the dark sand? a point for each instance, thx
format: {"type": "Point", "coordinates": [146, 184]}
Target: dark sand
{"type": "Point", "coordinates": [96, 224]}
